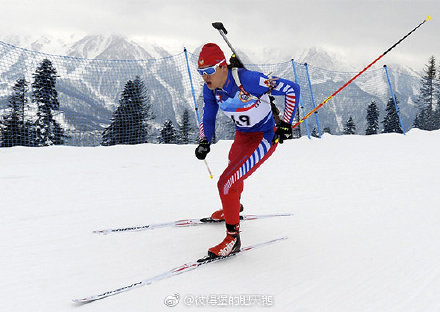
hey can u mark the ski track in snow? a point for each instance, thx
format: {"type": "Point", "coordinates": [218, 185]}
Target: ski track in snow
{"type": "Point", "coordinates": [364, 236]}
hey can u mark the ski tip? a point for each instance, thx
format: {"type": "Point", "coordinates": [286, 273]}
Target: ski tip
{"type": "Point", "coordinates": [80, 301]}
{"type": "Point", "coordinates": [428, 18]}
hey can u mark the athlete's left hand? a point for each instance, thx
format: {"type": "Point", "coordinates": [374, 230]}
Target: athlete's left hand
{"type": "Point", "coordinates": [283, 132]}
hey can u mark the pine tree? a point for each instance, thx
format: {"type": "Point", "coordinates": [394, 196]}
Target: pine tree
{"type": "Point", "coordinates": [372, 119]}
{"type": "Point", "coordinates": [16, 130]}
{"type": "Point", "coordinates": [429, 95]}
{"type": "Point", "coordinates": [185, 129]}
{"type": "Point", "coordinates": [327, 130]}
{"type": "Point", "coordinates": [168, 133]}
{"type": "Point", "coordinates": [350, 127]}
{"type": "Point", "coordinates": [437, 100]}
{"type": "Point", "coordinates": [130, 122]}
{"type": "Point", "coordinates": [391, 121]}
{"type": "Point", "coordinates": [48, 131]}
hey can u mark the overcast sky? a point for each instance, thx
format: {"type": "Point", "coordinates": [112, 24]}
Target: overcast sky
{"type": "Point", "coordinates": [360, 30]}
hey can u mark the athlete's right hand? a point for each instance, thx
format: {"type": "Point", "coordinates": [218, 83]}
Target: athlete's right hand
{"type": "Point", "coordinates": [203, 149]}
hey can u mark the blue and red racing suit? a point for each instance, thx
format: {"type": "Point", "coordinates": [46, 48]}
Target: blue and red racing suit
{"type": "Point", "coordinates": [254, 128]}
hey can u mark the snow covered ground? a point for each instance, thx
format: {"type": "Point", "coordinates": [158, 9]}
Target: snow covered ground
{"type": "Point", "coordinates": [364, 236]}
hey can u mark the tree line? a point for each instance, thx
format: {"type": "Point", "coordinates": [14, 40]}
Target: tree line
{"type": "Point", "coordinates": [390, 122]}
{"type": "Point", "coordinates": [29, 119]}
{"type": "Point", "coordinates": [18, 126]}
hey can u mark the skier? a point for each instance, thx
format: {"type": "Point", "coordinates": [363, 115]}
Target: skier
{"type": "Point", "coordinates": [245, 97]}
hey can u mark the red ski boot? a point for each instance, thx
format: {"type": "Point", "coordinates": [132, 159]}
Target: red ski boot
{"type": "Point", "coordinates": [219, 215]}
{"type": "Point", "coordinates": [229, 245]}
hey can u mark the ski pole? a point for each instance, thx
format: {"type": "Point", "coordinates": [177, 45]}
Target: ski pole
{"type": "Point", "coordinates": [358, 74]}
{"type": "Point", "coordinates": [209, 170]}
{"type": "Point", "coordinates": [195, 105]}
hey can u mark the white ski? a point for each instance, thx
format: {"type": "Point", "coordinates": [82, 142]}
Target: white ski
{"type": "Point", "coordinates": [176, 271]}
{"type": "Point", "coordinates": [185, 223]}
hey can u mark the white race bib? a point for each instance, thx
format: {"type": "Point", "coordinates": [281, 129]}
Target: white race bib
{"type": "Point", "coordinates": [245, 111]}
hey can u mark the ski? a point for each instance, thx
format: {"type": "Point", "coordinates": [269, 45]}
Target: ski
{"type": "Point", "coordinates": [185, 223]}
{"type": "Point", "coordinates": [173, 272]}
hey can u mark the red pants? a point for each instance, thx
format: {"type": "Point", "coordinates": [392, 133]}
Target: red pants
{"type": "Point", "coordinates": [248, 152]}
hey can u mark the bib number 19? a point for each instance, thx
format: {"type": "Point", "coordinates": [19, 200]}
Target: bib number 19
{"type": "Point", "coordinates": [243, 120]}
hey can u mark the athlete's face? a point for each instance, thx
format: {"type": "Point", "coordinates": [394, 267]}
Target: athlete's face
{"type": "Point", "coordinates": [217, 79]}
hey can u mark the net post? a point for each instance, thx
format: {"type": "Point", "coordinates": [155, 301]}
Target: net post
{"type": "Point", "coordinates": [192, 88]}
{"type": "Point", "coordinates": [300, 99]}
{"type": "Point", "coordinates": [394, 98]}
{"type": "Point", "coordinates": [313, 99]}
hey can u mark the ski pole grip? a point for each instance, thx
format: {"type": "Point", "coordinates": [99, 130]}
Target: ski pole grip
{"type": "Point", "coordinates": [219, 26]}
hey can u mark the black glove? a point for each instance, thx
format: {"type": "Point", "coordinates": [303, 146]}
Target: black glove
{"type": "Point", "coordinates": [283, 132]}
{"type": "Point", "coordinates": [203, 149]}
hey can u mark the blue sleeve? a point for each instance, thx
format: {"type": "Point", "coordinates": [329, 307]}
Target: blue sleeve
{"type": "Point", "coordinates": [291, 91]}
{"type": "Point", "coordinates": [284, 87]}
{"type": "Point", "coordinates": [210, 109]}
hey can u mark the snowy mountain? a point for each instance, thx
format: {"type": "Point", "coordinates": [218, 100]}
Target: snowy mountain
{"type": "Point", "coordinates": [45, 44]}
{"type": "Point", "coordinates": [113, 47]}
{"type": "Point", "coordinates": [318, 57]}
{"type": "Point", "coordinates": [91, 81]}
{"type": "Point", "coordinates": [97, 46]}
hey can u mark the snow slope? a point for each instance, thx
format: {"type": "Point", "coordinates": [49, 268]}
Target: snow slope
{"type": "Point", "coordinates": [365, 234]}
